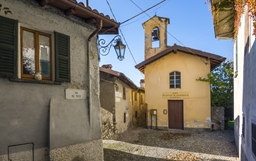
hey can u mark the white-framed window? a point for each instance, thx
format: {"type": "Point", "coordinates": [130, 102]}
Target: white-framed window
{"type": "Point", "coordinates": [175, 79]}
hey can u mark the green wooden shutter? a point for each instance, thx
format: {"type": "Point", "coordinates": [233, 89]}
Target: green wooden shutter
{"type": "Point", "coordinates": [8, 47]}
{"type": "Point", "coordinates": [62, 57]}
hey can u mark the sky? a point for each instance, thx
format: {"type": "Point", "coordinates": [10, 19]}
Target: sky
{"type": "Point", "coordinates": [190, 23]}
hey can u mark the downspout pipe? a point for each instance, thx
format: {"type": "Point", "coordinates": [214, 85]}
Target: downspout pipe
{"type": "Point", "coordinates": [89, 70]}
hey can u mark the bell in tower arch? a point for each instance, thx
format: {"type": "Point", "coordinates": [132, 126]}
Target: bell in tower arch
{"type": "Point", "coordinates": [155, 34]}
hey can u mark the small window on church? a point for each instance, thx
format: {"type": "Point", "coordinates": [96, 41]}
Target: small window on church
{"type": "Point", "coordinates": [175, 80]}
{"type": "Point", "coordinates": [155, 38]}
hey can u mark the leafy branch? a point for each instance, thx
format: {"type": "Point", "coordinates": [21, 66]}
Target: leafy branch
{"type": "Point", "coordinates": [221, 80]}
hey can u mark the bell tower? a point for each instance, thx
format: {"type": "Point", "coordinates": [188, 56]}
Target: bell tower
{"type": "Point", "coordinates": [155, 30]}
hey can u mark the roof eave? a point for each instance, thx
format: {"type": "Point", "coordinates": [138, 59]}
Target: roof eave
{"type": "Point", "coordinates": [85, 12]}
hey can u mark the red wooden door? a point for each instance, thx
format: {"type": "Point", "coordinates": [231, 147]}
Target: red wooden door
{"type": "Point", "coordinates": [175, 114]}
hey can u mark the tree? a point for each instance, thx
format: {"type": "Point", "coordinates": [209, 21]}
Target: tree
{"type": "Point", "coordinates": [5, 9]}
{"type": "Point", "coordinates": [221, 80]}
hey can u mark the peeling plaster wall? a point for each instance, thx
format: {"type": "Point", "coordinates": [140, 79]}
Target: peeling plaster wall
{"type": "Point", "coordinates": [122, 106]}
{"type": "Point", "coordinates": [25, 106]}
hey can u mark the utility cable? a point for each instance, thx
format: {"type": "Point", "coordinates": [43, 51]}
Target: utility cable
{"type": "Point", "coordinates": [146, 15]}
{"type": "Point", "coordinates": [123, 37]}
{"type": "Point", "coordinates": [142, 12]}
{"type": "Point", "coordinates": [172, 35]}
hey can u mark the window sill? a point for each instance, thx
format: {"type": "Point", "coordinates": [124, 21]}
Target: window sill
{"type": "Point", "coordinates": [34, 81]}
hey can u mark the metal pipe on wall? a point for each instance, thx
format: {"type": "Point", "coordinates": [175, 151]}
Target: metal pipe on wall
{"type": "Point", "coordinates": [88, 69]}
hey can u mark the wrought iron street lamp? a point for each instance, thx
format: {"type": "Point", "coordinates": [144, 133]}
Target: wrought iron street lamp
{"type": "Point", "coordinates": [116, 42]}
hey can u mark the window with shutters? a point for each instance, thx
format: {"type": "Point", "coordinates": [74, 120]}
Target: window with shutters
{"type": "Point", "coordinates": [36, 53]}
{"type": "Point", "coordinates": [8, 47]}
{"type": "Point", "coordinates": [175, 79]}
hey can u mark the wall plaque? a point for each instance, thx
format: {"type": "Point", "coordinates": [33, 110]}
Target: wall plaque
{"type": "Point", "coordinates": [175, 95]}
{"type": "Point", "coordinates": [75, 94]}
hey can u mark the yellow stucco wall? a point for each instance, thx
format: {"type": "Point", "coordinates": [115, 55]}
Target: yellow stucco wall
{"type": "Point", "coordinates": [196, 106]}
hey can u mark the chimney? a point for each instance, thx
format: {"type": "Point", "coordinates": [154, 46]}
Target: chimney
{"type": "Point", "coordinates": [107, 66]}
{"type": "Point", "coordinates": [142, 83]}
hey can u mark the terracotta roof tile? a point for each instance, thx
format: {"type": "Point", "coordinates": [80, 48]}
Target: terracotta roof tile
{"type": "Point", "coordinates": [110, 26]}
{"type": "Point", "coordinates": [119, 75]}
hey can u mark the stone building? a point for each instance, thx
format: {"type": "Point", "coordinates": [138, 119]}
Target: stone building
{"type": "Point", "coordinates": [49, 80]}
{"type": "Point", "coordinates": [122, 102]}
{"type": "Point", "coordinates": [174, 98]}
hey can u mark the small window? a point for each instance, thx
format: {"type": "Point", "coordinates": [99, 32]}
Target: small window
{"type": "Point", "coordinates": [136, 114]}
{"type": "Point", "coordinates": [175, 80]}
{"type": "Point", "coordinates": [135, 96]}
{"type": "Point", "coordinates": [124, 93]}
{"type": "Point", "coordinates": [125, 117]}
{"type": "Point", "coordinates": [254, 139]}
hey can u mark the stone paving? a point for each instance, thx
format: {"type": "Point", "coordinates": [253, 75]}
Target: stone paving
{"type": "Point", "coordinates": [154, 145]}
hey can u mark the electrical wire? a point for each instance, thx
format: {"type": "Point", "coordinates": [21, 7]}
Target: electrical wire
{"type": "Point", "coordinates": [146, 15]}
{"type": "Point", "coordinates": [123, 37]}
{"type": "Point", "coordinates": [143, 12]}
{"type": "Point", "coordinates": [172, 35]}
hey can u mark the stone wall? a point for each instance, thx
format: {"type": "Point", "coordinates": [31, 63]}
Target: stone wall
{"type": "Point", "coordinates": [218, 118]}
{"type": "Point", "coordinates": [107, 128]}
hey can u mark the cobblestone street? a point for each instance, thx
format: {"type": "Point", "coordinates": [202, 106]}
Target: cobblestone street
{"type": "Point", "coordinates": [152, 145]}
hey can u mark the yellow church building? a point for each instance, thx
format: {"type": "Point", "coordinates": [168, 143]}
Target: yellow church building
{"type": "Point", "coordinates": [174, 98]}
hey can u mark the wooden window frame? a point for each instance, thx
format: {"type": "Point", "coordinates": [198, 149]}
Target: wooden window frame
{"type": "Point", "coordinates": [175, 75]}
{"type": "Point", "coordinates": [36, 44]}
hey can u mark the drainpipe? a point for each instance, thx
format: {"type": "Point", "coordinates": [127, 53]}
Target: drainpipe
{"type": "Point", "coordinates": [89, 71]}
